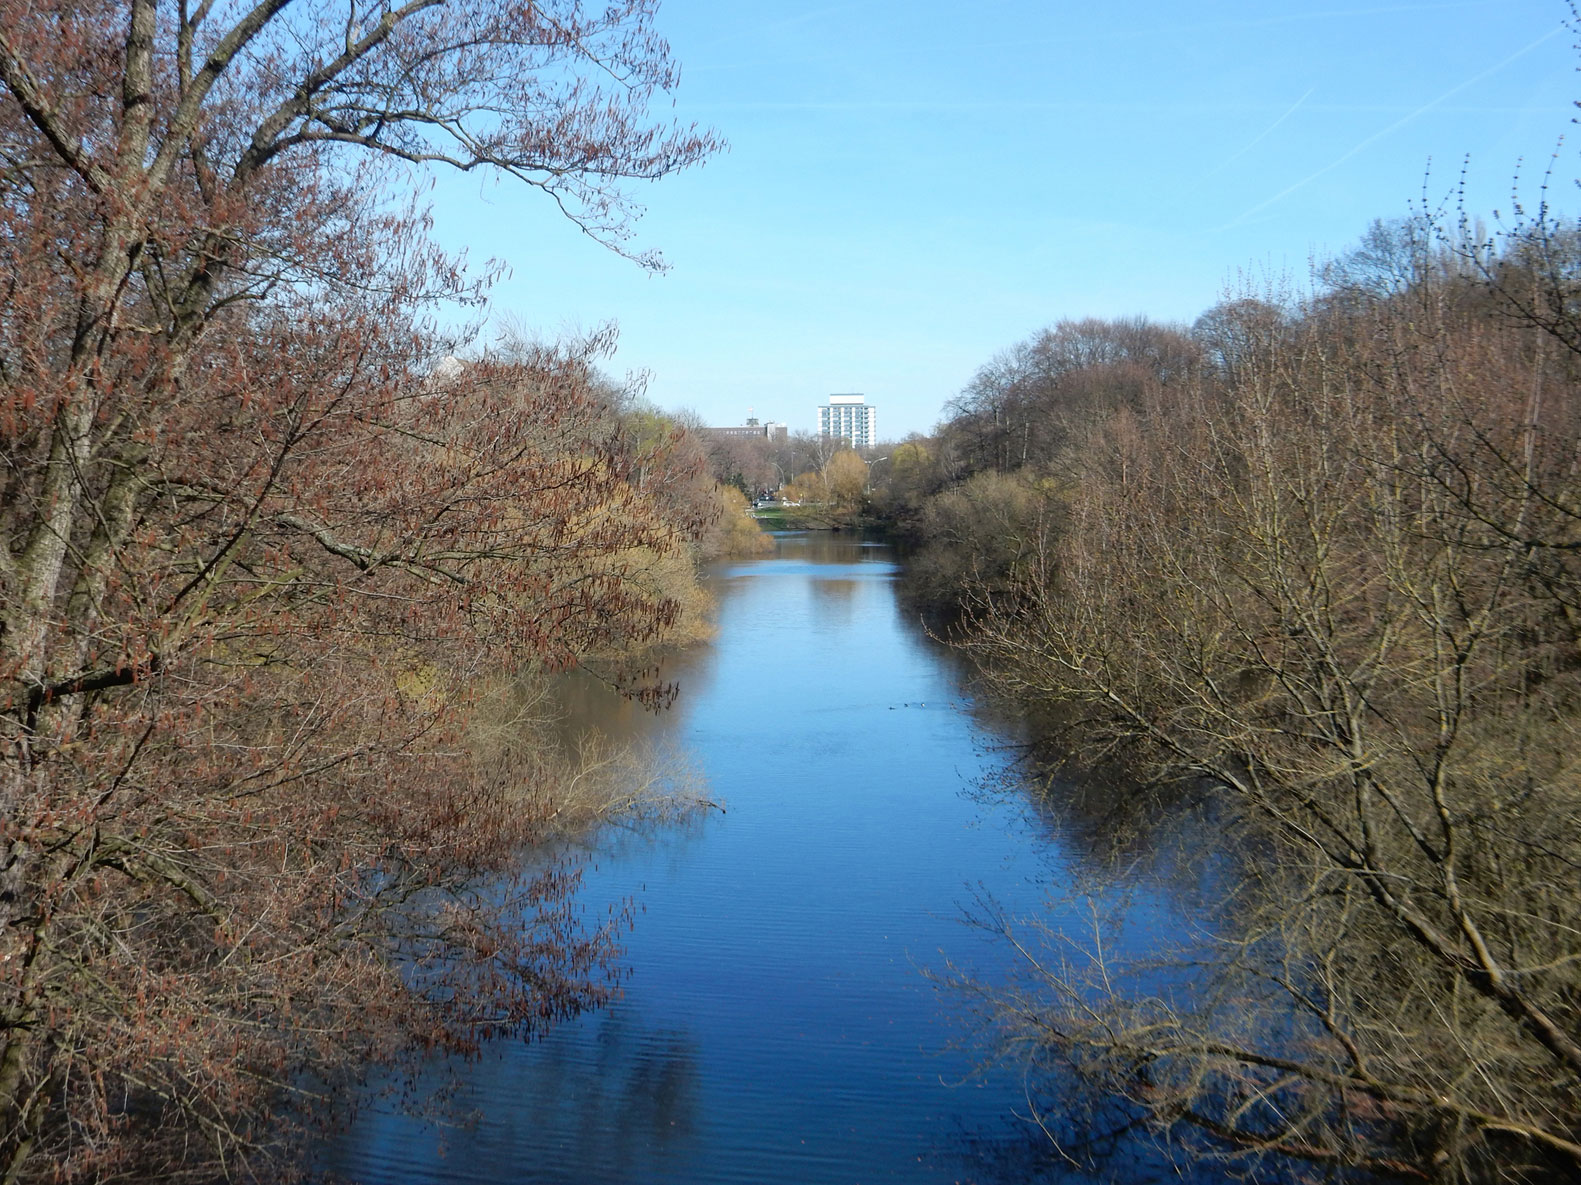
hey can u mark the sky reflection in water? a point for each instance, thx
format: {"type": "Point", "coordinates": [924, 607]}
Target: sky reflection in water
{"type": "Point", "coordinates": [775, 1026]}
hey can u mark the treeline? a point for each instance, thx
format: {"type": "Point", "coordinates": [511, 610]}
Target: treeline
{"type": "Point", "coordinates": [820, 481]}
{"type": "Point", "coordinates": [1316, 561]}
{"type": "Point", "coordinates": [279, 576]}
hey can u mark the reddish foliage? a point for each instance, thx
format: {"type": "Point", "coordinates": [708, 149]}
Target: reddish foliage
{"type": "Point", "coordinates": [258, 544]}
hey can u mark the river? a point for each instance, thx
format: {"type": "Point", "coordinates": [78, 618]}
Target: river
{"type": "Point", "coordinates": [776, 1025]}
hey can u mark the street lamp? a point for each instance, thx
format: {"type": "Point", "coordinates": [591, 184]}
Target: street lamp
{"type": "Point", "coordinates": [868, 487]}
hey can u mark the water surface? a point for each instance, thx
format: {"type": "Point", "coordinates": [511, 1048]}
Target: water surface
{"type": "Point", "coordinates": [775, 1026]}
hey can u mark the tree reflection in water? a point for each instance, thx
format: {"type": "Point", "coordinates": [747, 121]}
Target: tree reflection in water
{"type": "Point", "coordinates": [610, 1103]}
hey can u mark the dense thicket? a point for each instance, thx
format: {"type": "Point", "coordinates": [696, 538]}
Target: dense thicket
{"type": "Point", "coordinates": [262, 546]}
{"type": "Point", "coordinates": [1320, 559]}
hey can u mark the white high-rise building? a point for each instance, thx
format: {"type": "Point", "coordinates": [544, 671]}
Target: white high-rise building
{"type": "Point", "coordinates": [849, 416]}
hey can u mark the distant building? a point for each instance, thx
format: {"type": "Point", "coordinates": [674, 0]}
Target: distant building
{"type": "Point", "coordinates": [771, 432]}
{"type": "Point", "coordinates": [851, 417]}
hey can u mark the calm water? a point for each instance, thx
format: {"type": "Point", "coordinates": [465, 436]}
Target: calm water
{"type": "Point", "coordinates": [776, 1026]}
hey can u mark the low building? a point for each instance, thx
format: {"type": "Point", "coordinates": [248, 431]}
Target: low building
{"type": "Point", "coordinates": [752, 429]}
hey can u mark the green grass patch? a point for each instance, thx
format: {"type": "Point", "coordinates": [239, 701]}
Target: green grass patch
{"type": "Point", "coordinates": [776, 518]}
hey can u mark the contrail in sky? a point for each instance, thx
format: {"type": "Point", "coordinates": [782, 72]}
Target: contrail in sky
{"type": "Point", "coordinates": [773, 27]}
{"type": "Point", "coordinates": [1392, 128]}
{"type": "Point", "coordinates": [1146, 31]}
{"type": "Point", "coordinates": [1266, 132]}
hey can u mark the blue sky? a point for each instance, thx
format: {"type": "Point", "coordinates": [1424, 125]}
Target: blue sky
{"type": "Point", "coordinates": [913, 185]}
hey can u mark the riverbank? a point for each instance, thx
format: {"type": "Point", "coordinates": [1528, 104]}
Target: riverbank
{"type": "Point", "coordinates": [774, 1026]}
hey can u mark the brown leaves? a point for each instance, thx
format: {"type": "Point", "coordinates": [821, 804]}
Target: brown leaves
{"type": "Point", "coordinates": [261, 540]}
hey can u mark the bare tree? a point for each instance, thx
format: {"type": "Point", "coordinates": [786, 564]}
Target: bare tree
{"type": "Point", "coordinates": [258, 541]}
{"type": "Point", "coordinates": [1024, 407]}
{"type": "Point", "coordinates": [1339, 594]}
